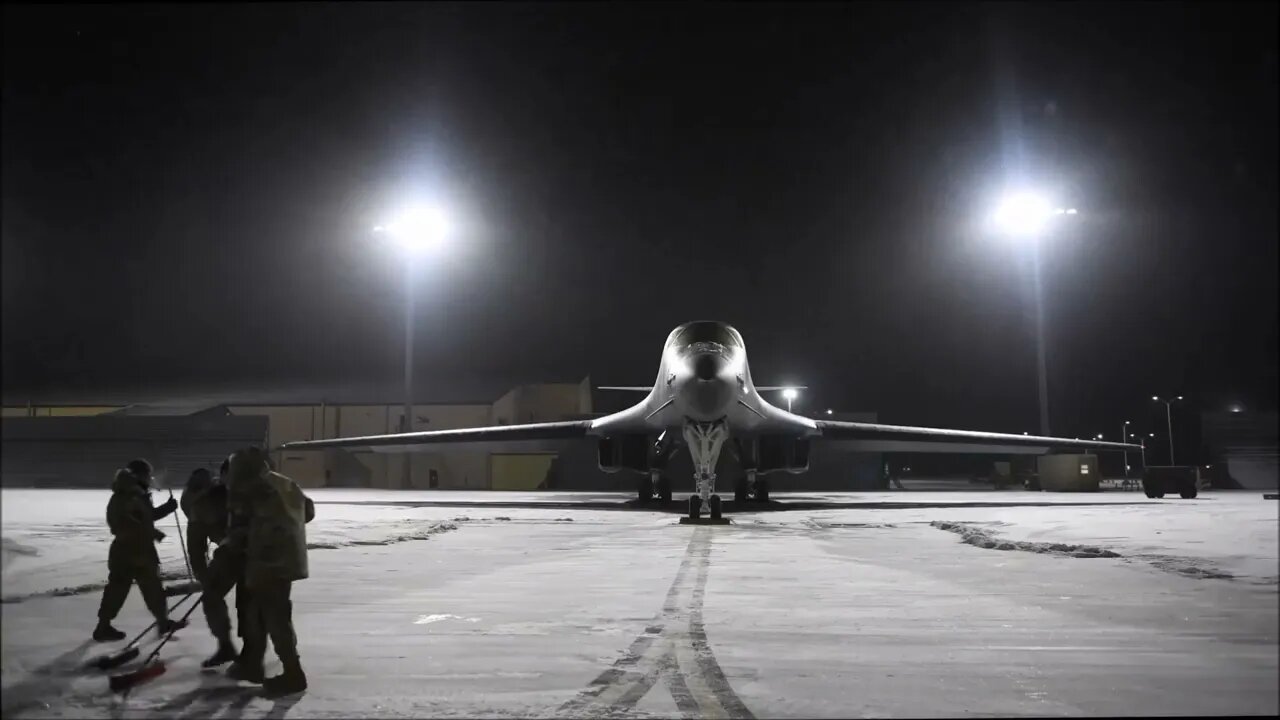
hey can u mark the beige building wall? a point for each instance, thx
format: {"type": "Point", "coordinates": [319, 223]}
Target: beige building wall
{"type": "Point", "coordinates": [452, 469]}
{"type": "Point", "coordinates": [57, 411]}
{"type": "Point", "coordinates": [543, 403]}
{"type": "Point", "coordinates": [367, 468]}
{"type": "Point", "coordinates": [288, 423]}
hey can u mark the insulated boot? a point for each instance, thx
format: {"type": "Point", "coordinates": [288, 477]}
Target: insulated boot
{"type": "Point", "coordinates": [226, 653]}
{"type": "Point", "coordinates": [168, 626]}
{"type": "Point", "coordinates": [292, 680]}
{"type": "Point", "coordinates": [246, 671]}
{"type": "Point", "coordinates": [105, 633]}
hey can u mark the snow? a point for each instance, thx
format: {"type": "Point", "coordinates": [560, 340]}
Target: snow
{"type": "Point", "coordinates": [467, 604]}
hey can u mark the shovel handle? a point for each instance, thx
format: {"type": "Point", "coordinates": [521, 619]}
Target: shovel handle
{"type": "Point", "coordinates": [143, 634]}
{"type": "Point", "coordinates": [185, 615]}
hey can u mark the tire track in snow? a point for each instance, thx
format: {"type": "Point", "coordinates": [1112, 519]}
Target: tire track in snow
{"type": "Point", "coordinates": [673, 649]}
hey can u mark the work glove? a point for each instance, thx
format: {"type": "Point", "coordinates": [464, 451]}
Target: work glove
{"type": "Point", "coordinates": [157, 536]}
{"type": "Point", "coordinates": [169, 505]}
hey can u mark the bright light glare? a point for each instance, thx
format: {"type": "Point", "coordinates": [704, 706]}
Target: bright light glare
{"type": "Point", "coordinates": [418, 229]}
{"type": "Point", "coordinates": [1237, 408]}
{"type": "Point", "coordinates": [1023, 215]}
{"type": "Point", "coordinates": [789, 394]}
{"type": "Point", "coordinates": [829, 411]}
{"type": "Point", "coordinates": [1153, 397]}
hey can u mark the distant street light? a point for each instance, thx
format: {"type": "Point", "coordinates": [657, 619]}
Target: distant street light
{"type": "Point", "coordinates": [417, 230]}
{"type": "Point", "coordinates": [1025, 216]}
{"type": "Point", "coordinates": [1168, 418]}
{"type": "Point", "coordinates": [790, 395]}
{"type": "Point", "coordinates": [829, 411]}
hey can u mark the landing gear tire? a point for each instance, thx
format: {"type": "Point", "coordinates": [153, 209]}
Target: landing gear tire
{"type": "Point", "coordinates": [695, 507]}
{"type": "Point", "coordinates": [762, 490]}
{"type": "Point", "coordinates": [663, 488]}
{"type": "Point", "coordinates": [644, 491]}
{"type": "Point", "coordinates": [713, 505]}
{"type": "Point", "coordinates": [740, 492]}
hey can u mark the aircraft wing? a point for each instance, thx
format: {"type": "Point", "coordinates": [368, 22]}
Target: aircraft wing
{"type": "Point", "coordinates": [534, 437]}
{"type": "Point", "coordinates": [872, 437]}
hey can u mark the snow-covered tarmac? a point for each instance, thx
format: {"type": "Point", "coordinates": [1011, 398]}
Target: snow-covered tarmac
{"type": "Point", "coordinates": [914, 604]}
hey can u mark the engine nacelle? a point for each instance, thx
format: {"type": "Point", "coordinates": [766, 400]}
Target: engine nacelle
{"type": "Point", "coordinates": [626, 452]}
{"type": "Point", "coordinates": [781, 453]}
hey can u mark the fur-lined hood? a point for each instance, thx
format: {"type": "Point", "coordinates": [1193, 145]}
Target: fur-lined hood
{"type": "Point", "coordinates": [125, 482]}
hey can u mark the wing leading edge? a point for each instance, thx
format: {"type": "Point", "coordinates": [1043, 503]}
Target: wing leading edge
{"type": "Point", "coordinates": [533, 437]}
{"type": "Point", "coordinates": [872, 437]}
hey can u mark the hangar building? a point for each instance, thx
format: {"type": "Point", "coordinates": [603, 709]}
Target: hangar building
{"type": "Point", "coordinates": [80, 445]}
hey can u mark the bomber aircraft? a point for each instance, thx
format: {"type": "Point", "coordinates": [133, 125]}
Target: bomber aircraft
{"type": "Point", "coordinates": [704, 399]}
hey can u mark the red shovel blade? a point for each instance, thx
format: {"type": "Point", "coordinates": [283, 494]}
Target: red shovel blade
{"type": "Point", "coordinates": [126, 681]}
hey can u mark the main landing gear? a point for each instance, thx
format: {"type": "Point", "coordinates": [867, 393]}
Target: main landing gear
{"type": "Point", "coordinates": [656, 484]}
{"type": "Point", "coordinates": [751, 487]}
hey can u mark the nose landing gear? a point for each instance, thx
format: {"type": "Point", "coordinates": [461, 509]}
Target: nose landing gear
{"type": "Point", "coordinates": [704, 441]}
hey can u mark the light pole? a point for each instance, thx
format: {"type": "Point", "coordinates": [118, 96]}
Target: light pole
{"type": "Point", "coordinates": [1168, 418]}
{"type": "Point", "coordinates": [789, 394]}
{"type": "Point", "coordinates": [1142, 444]}
{"type": "Point", "coordinates": [1026, 216]}
{"type": "Point", "coordinates": [417, 230]}
{"type": "Point", "coordinates": [1124, 431]}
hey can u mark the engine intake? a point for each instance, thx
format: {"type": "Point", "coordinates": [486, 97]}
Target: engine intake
{"type": "Point", "coordinates": [625, 452]}
{"type": "Point", "coordinates": [775, 453]}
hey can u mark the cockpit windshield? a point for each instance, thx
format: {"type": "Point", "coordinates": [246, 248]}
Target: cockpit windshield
{"type": "Point", "coordinates": [707, 331]}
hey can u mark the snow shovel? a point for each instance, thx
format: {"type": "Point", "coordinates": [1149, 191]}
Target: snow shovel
{"type": "Point", "coordinates": [125, 682]}
{"type": "Point", "coordinates": [159, 481]}
{"type": "Point", "coordinates": [130, 651]}
{"type": "Point", "coordinates": [182, 542]}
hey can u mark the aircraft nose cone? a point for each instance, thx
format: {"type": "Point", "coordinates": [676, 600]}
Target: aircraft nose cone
{"type": "Point", "coordinates": [706, 366]}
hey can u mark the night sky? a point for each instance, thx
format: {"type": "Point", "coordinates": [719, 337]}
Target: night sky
{"type": "Point", "coordinates": [188, 194]}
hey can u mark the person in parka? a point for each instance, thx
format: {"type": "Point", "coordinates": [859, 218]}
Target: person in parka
{"type": "Point", "coordinates": [204, 502]}
{"type": "Point", "coordinates": [269, 516]}
{"type": "Point", "coordinates": [133, 557]}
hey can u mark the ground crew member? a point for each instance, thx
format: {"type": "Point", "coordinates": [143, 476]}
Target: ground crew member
{"type": "Point", "coordinates": [132, 557]}
{"type": "Point", "coordinates": [269, 515]}
{"type": "Point", "coordinates": [204, 502]}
